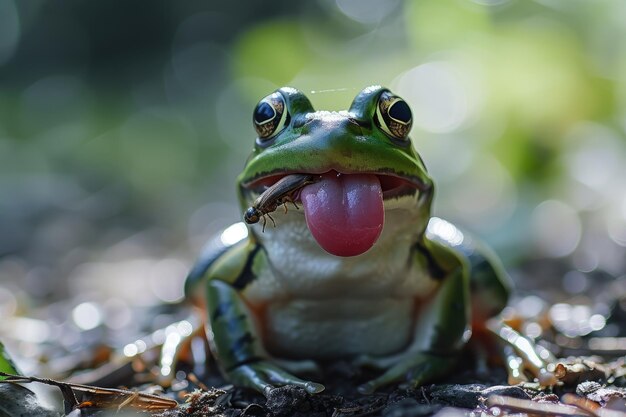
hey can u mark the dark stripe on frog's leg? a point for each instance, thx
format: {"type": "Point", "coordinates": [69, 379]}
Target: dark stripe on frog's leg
{"type": "Point", "coordinates": [211, 252]}
{"type": "Point", "coordinates": [235, 266]}
{"type": "Point", "coordinates": [233, 321]}
{"type": "Point", "coordinates": [435, 270]}
{"type": "Point", "coordinates": [247, 274]}
{"type": "Point", "coordinates": [209, 255]}
{"type": "Point", "coordinates": [242, 343]}
{"type": "Point", "coordinates": [234, 340]}
{"type": "Point", "coordinates": [490, 285]}
{"type": "Point", "coordinates": [221, 310]}
{"type": "Point", "coordinates": [440, 260]}
{"type": "Point", "coordinates": [442, 325]}
{"type": "Point", "coordinates": [448, 315]}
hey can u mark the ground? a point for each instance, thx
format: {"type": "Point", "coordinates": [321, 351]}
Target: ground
{"type": "Point", "coordinates": [591, 372]}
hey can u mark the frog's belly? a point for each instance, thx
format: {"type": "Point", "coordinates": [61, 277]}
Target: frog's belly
{"type": "Point", "coordinates": [318, 329]}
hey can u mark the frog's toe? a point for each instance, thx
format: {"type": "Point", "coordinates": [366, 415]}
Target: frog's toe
{"type": "Point", "coordinates": [518, 368]}
{"type": "Point", "coordinates": [371, 386]}
{"type": "Point", "coordinates": [264, 376]}
{"type": "Point", "coordinates": [313, 387]}
{"type": "Point", "coordinates": [280, 377]}
{"type": "Point", "coordinates": [395, 374]}
{"type": "Point", "coordinates": [249, 377]}
{"type": "Point", "coordinates": [417, 370]}
{"type": "Point", "coordinates": [514, 366]}
{"type": "Point", "coordinates": [522, 357]}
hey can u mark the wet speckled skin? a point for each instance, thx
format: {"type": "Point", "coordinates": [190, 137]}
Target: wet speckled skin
{"type": "Point", "coordinates": [404, 305]}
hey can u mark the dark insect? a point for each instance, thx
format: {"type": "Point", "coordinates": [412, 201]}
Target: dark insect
{"type": "Point", "coordinates": [282, 192]}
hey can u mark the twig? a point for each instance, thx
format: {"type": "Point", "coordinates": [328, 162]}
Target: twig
{"type": "Point", "coordinates": [104, 397]}
{"type": "Point", "coordinates": [532, 407]}
{"type": "Point", "coordinates": [589, 406]}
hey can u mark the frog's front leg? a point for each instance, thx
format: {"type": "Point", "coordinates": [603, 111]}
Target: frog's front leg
{"type": "Point", "coordinates": [441, 332]}
{"type": "Point", "coordinates": [236, 344]}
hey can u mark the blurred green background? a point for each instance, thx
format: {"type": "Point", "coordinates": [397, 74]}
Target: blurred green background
{"type": "Point", "coordinates": [123, 125]}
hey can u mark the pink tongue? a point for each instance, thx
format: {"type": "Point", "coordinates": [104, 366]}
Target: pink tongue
{"type": "Point", "coordinates": [344, 213]}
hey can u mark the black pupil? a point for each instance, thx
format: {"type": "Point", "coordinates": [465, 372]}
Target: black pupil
{"type": "Point", "coordinates": [263, 113]}
{"type": "Point", "coordinates": [400, 111]}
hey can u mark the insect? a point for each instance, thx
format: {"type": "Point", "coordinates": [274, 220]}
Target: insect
{"type": "Point", "coordinates": [282, 192]}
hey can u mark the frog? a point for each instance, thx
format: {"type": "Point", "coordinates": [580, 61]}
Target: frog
{"type": "Point", "coordinates": [362, 273]}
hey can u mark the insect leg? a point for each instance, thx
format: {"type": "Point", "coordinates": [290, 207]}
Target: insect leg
{"type": "Point", "coordinates": [272, 219]}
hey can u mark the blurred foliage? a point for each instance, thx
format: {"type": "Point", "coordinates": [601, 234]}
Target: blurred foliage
{"type": "Point", "coordinates": [124, 125]}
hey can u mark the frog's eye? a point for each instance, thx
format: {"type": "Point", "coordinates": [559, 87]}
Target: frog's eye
{"type": "Point", "coordinates": [270, 116]}
{"type": "Point", "coordinates": [393, 116]}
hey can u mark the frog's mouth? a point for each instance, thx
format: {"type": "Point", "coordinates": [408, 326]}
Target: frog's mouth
{"type": "Point", "coordinates": [392, 186]}
{"type": "Point", "coordinates": [345, 212]}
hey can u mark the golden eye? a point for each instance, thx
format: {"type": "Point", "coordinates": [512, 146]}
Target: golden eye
{"type": "Point", "coordinates": [270, 116]}
{"type": "Point", "coordinates": [393, 116]}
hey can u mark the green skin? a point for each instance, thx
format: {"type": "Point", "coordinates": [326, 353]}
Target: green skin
{"type": "Point", "coordinates": [349, 142]}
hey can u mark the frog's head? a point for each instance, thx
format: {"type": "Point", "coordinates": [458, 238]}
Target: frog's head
{"type": "Point", "coordinates": [364, 156]}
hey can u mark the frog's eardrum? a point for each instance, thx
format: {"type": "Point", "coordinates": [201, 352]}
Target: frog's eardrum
{"type": "Point", "coordinates": [344, 213]}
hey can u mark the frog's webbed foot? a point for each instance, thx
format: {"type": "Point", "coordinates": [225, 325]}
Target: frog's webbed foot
{"type": "Point", "coordinates": [263, 376]}
{"type": "Point", "coordinates": [522, 357]}
{"type": "Point", "coordinates": [417, 369]}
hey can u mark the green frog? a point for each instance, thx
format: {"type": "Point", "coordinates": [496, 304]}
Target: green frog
{"type": "Point", "coordinates": [362, 272]}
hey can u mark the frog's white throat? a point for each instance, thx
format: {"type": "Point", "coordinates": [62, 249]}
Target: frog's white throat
{"type": "Point", "coordinates": [291, 248]}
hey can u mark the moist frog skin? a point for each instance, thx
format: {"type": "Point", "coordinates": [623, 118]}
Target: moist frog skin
{"type": "Point", "coordinates": [361, 272]}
